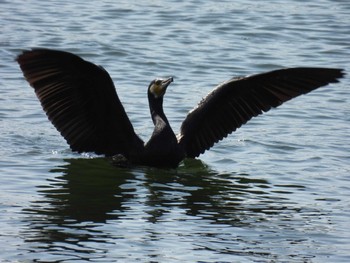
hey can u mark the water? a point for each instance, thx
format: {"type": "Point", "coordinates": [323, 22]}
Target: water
{"type": "Point", "coordinates": [277, 190]}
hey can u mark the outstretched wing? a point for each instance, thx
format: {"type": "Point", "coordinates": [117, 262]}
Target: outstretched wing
{"type": "Point", "coordinates": [80, 100]}
{"type": "Point", "coordinates": [233, 103]}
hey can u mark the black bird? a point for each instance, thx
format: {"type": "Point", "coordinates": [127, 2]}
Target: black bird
{"type": "Point", "coordinates": [80, 100]}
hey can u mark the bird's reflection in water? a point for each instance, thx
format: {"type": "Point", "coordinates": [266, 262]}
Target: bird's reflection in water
{"type": "Point", "coordinates": [85, 190]}
{"type": "Point", "coordinates": [89, 193]}
{"type": "Point", "coordinates": [204, 193]}
{"type": "Point", "coordinates": [75, 203]}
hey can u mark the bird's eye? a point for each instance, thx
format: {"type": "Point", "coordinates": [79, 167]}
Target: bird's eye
{"type": "Point", "coordinates": [158, 82]}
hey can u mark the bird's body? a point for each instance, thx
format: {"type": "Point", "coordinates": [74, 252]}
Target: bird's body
{"type": "Point", "coordinates": [81, 101]}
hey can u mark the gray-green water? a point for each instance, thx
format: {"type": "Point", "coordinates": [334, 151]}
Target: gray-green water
{"type": "Point", "coordinates": [277, 190]}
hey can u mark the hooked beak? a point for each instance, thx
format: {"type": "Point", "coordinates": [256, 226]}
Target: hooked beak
{"type": "Point", "coordinates": [166, 82]}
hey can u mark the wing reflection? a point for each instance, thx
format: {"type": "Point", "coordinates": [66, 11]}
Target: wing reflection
{"type": "Point", "coordinates": [206, 194]}
{"type": "Point", "coordinates": [80, 198]}
{"type": "Point", "coordinates": [85, 190]}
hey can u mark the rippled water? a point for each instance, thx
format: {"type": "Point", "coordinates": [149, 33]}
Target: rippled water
{"type": "Point", "coordinates": [277, 190]}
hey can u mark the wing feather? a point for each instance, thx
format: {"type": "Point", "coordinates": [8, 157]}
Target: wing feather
{"type": "Point", "coordinates": [80, 100]}
{"type": "Point", "coordinates": [235, 102]}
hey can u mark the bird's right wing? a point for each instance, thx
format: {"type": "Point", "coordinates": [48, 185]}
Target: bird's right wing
{"type": "Point", "coordinates": [236, 101]}
{"type": "Point", "coordinates": [80, 100]}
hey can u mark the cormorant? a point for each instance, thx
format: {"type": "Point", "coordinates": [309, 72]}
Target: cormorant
{"type": "Point", "coordinates": [80, 100]}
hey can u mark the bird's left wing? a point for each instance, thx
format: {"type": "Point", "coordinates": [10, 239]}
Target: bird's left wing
{"type": "Point", "coordinates": [80, 100]}
{"type": "Point", "coordinates": [233, 103]}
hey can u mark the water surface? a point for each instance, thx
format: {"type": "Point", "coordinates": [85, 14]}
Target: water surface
{"type": "Point", "coordinates": [277, 190]}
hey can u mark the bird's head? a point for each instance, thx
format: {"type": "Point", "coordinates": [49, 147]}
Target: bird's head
{"type": "Point", "coordinates": [157, 87]}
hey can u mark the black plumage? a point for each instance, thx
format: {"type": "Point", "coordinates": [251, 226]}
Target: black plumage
{"type": "Point", "coordinates": [80, 100]}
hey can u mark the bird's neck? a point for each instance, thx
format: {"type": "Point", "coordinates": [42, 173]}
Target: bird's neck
{"type": "Point", "coordinates": [157, 113]}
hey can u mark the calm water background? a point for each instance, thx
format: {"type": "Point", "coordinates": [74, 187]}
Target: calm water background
{"type": "Point", "coordinates": [277, 190]}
